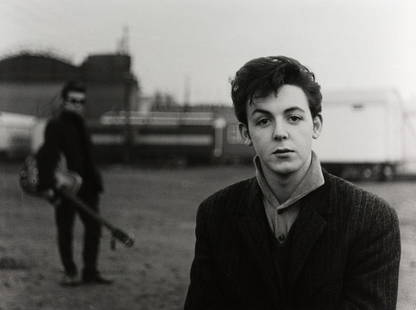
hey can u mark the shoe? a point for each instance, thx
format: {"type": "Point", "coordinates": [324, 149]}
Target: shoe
{"type": "Point", "coordinates": [69, 280]}
{"type": "Point", "coordinates": [96, 279]}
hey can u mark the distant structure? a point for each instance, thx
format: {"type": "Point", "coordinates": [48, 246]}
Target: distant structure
{"type": "Point", "coordinates": [123, 46]}
{"type": "Point", "coordinates": [30, 83]}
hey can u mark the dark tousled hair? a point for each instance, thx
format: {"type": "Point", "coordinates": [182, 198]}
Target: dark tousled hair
{"type": "Point", "coordinates": [77, 86]}
{"type": "Point", "coordinates": [260, 77]}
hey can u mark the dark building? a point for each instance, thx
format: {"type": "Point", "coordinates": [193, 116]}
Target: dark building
{"type": "Point", "coordinates": [30, 83]}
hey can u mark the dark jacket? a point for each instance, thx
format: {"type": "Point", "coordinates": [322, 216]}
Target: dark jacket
{"type": "Point", "coordinates": [344, 253]}
{"type": "Point", "coordinates": [67, 135]}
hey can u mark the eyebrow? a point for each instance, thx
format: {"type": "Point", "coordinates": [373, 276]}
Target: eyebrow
{"type": "Point", "coordinates": [259, 111]}
{"type": "Point", "coordinates": [288, 110]}
{"type": "Point", "coordinates": [294, 109]}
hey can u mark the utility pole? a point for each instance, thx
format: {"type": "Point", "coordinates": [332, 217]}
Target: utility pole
{"type": "Point", "coordinates": [128, 81]}
{"type": "Point", "coordinates": [129, 87]}
{"type": "Point", "coordinates": [187, 93]}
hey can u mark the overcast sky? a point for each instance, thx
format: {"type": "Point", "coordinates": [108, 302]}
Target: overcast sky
{"type": "Point", "coordinates": [354, 43]}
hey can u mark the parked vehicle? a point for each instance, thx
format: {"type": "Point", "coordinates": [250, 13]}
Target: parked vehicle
{"type": "Point", "coordinates": [363, 134]}
{"type": "Point", "coordinates": [15, 134]}
{"type": "Point", "coordinates": [188, 136]}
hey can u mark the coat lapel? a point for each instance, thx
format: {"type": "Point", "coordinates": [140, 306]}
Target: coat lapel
{"type": "Point", "coordinates": [252, 223]}
{"type": "Point", "coordinates": [306, 231]}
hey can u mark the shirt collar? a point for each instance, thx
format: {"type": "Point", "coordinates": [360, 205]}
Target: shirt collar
{"type": "Point", "coordinates": [312, 180]}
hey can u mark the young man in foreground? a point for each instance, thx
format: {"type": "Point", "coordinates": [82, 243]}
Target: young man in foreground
{"type": "Point", "coordinates": [294, 236]}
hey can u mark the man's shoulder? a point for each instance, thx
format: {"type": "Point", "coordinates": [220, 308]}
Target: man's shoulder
{"type": "Point", "coordinates": [347, 195]}
{"type": "Point", "coordinates": [230, 196]}
{"type": "Point", "coordinates": [344, 188]}
{"type": "Point", "coordinates": [54, 123]}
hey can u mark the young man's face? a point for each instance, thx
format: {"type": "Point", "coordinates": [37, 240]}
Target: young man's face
{"type": "Point", "coordinates": [74, 102]}
{"type": "Point", "coordinates": [281, 129]}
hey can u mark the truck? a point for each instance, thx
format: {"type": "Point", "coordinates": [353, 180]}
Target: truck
{"type": "Point", "coordinates": [363, 133]}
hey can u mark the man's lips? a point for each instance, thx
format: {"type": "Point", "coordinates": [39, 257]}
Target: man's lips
{"type": "Point", "coordinates": [282, 151]}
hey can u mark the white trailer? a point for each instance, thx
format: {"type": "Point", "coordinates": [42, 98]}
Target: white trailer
{"type": "Point", "coordinates": [363, 133]}
{"type": "Point", "coordinates": [15, 134]}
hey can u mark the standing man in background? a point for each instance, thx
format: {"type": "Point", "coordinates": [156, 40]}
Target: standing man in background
{"type": "Point", "coordinates": [66, 137]}
{"type": "Point", "coordinates": [293, 236]}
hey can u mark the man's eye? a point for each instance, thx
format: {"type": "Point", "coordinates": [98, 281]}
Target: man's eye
{"type": "Point", "coordinates": [295, 118]}
{"type": "Point", "coordinates": [263, 122]}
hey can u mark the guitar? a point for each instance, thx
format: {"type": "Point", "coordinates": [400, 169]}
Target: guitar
{"type": "Point", "coordinates": [68, 185]}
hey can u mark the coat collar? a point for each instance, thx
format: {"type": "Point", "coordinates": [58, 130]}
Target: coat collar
{"type": "Point", "coordinates": [253, 198]}
{"type": "Point", "coordinates": [308, 227]}
{"type": "Point", "coordinates": [312, 179]}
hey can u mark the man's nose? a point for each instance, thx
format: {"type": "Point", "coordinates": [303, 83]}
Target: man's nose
{"type": "Point", "coordinates": [280, 131]}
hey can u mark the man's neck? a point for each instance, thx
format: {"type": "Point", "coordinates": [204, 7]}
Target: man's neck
{"type": "Point", "coordinates": [283, 185]}
{"type": "Point", "coordinates": [72, 114]}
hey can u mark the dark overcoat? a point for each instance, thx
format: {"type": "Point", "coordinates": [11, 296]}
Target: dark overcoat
{"type": "Point", "coordinates": [66, 135]}
{"type": "Point", "coordinates": [344, 253]}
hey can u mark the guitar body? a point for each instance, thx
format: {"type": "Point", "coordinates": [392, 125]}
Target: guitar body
{"type": "Point", "coordinates": [65, 179]}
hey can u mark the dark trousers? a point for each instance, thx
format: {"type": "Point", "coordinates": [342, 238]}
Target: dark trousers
{"type": "Point", "coordinates": [65, 220]}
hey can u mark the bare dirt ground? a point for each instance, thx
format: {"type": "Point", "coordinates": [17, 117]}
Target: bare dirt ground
{"type": "Point", "coordinates": [157, 207]}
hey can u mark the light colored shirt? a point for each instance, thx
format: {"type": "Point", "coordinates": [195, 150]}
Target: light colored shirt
{"type": "Point", "coordinates": [281, 216]}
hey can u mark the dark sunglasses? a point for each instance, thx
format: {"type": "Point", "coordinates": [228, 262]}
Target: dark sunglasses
{"type": "Point", "coordinates": [75, 101]}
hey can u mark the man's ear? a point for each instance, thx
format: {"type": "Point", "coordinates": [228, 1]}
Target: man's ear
{"type": "Point", "coordinates": [317, 126]}
{"type": "Point", "coordinates": [245, 134]}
